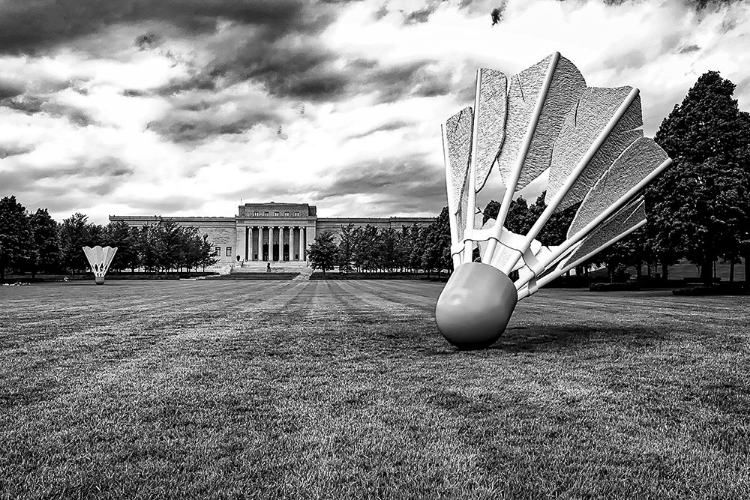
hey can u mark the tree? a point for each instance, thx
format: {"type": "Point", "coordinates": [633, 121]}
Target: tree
{"type": "Point", "coordinates": [698, 207]}
{"type": "Point", "coordinates": [522, 216]}
{"type": "Point", "coordinates": [417, 246]}
{"type": "Point", "coordinates": [436, 244]}
{"type": "Point", "coordinates": [15, 233]}
{"type": "Point", "coordinates": [75, 232]}
{"type": "Point", "coordinates": [323, 252]}
{"type": "Point", "coordinates": [207, 256]}
{"type": "Point", "coordinates": [167, 239]}
{"type": "Point", "coordinates": [387, 249]}
{"type": "Point", "coordinates": [347, 243]}
{"type": "Point", "coordinates": [119, 234]}
{"type": "Point", "coordinates": [44, 252]}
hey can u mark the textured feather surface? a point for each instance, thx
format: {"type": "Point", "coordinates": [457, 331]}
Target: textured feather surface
{"type": "Point", "coordinates": [458, 136]}
{"type": "Point", "coordinates": [622, 221]}
{"type": "Point", "coordinates": [633, 165]}
{"type": "Point", "coordinates": [491, 110]}
{"type": "Point", "coordinates": [524, 91]}
{"type": "Point", "coordinates": [583, 124]}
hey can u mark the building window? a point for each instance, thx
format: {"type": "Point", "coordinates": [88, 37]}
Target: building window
{"type": "Point", "coordinates": [286, 214]}
{"type": "Point", "coordinates": [257, 214]}
{"type": "Point", "coordinates": [217, 251]}
{"type": "Point", "coordinates": [276, 214]}
{"type": "Point", "coordinates": [229, 251]}
{"type": "Point", "coordinates": [266, 214]}
{"type": "Point", "coordinates": [296, 214]}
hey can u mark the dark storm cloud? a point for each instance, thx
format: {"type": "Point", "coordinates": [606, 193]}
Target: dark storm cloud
{"type": "Point", "coordinates": [35, 105]}
{"type": "Point", "coordinates": [99, 168]}
{"type": "Point", "coordinates": [185, 125]}
{"type": "Point", "coordinates": [165, 205]}
{"type": "Point", "coordinates": [202, 80]}
{"type": "Point", "coordinates": [387, 127]}
{"type": "Point", "coordinates": [134, 93]}
{"type": "Point", "coordinates": [420, 16]}
{"type": "Point", "coordinates": [697, 5]}
{"type": "Point", "coordinates": [398, 179]}
{"type": "Point", "coordinates": [689, 49]}
{"type": "Point", "coordinates": [11, 88]}
{"type": "Point", "coordinates": [302, 69]}
{"type": "Point", "coordinates": [27, 104]}
{"type": "Point", "coordinates": [147, 41]}
{"type": "Point", "coordinates": [99, 176]}
{"type": "Point", "coordinates": [6, 151]}
{"type": "Point", "coordinates": [28, 27]}
{"type": "Point", "coordinates": [287, 69]}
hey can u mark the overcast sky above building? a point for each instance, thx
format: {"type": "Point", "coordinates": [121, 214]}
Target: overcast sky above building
{"type": "Point", "coordinates": [187, 107]}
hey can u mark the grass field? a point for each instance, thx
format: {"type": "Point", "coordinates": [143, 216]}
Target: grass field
{"type": "Point", "coordinates": [346, 390]}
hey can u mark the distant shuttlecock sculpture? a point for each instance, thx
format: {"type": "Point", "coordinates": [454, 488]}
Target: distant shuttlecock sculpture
{"type": "Point", "coordinates": [584, 145]}
{"type": "Point", "coordinates": [99, 259]}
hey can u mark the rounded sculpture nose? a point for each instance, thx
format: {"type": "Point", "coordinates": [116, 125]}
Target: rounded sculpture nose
{"type": "Point", "coordinates": [475, 306]}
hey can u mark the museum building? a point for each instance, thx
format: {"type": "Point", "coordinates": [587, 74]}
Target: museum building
{"type": "Point", "coordinates": [270, 232]}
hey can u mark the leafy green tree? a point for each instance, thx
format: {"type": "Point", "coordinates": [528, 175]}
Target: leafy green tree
{"type": "Point", "coordinates": [76, 232]}
{"type": "Point", "coordinates": [15, 233]}
{"type": "Point", "coordinates": [168, 238]}
{"type": "Point", "coordinates": [323, 252]}
{"type": "Point", "coordinates": [44, 252]}
{"type": "Point", "coordinates": [490, 211]}
{"type": "Point", "coordinates": [522, 216]}
{"type": "Point", "coordinates": [347, 244]}
{"type": "Point", "coordinates": [119, 234]}
{"type": "Point", "coordinates": [404, 248]}
{"type": "Point", "coordinates": [366, 254]}
{"type": "Point", "coordinates": [417, 247]}
{"type": "Point", "coordinates": [147, 247]}
{"type": "Point", "coordinates": [207, 257]}
{"type": "Point", "coordinates": [698, 207]}
{"type": "Point", "coordinates": [436, 241]}
{"type": "Point", "coordinates": [387, 249]}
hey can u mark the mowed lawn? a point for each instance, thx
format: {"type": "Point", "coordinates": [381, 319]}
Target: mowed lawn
{"type": "Point", "coordinates": [253, 389]}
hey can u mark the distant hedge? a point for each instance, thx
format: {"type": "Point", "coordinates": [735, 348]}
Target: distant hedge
{"type": "Point", "coordinates": [614, 287]}
{"type": "Point", "coordinates": [723, 289]}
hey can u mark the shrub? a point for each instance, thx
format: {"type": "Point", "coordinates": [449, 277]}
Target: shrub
{"type": "Point", "coordinates": [614, 287]}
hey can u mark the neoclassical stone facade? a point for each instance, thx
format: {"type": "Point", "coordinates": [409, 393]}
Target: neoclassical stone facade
{"type": "Point", "coordinates": [270, 232]}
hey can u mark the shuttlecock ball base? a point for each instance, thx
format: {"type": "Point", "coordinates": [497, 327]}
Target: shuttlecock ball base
{"type": "Point", "coordinates": [99, 280]}
{"type": "Point", "coordinates": [475, 306]}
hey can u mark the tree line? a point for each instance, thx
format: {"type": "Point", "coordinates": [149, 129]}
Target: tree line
{"type": "Point", "coordinates": [371, 249]}
{"type": "Point", "coordinates": [36, 243]}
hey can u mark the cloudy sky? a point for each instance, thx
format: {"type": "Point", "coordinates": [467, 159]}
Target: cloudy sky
{"type": "Point", "coordinates": [187, 107]}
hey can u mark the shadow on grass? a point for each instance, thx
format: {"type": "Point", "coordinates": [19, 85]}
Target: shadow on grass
{"type": "Point", "coordinates": [525, 339]}
{"type": "Point", "coordinates": [536, 339]}
{"type": "Point", "coordinates": [91, 283]}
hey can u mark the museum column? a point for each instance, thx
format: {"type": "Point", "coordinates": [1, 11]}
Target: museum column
{"type": "Point", "coordinates": [276, 235]}
{"type": "Point", "coordinates": [262, 251]}
{"type": "Point", "coordinates": [300, 248]}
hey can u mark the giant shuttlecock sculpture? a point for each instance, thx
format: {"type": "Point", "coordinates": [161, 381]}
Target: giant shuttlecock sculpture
{"type": "Point", "coordinates": [99, 259]}
{"type": "Point", "coordinates": [544, 125]}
